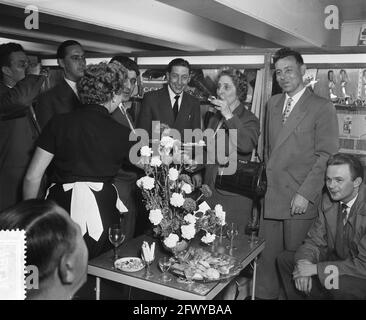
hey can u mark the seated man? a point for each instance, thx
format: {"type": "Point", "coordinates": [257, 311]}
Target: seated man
{"type": "Point", "coordinates": [54, 245]}
{"type": "Point", "coordinates": [331, 263]}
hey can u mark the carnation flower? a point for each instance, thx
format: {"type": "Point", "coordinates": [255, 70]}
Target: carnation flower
{"type": "Point", "coordinates": [167, 142]}
{"type": "Point", "coordinates": [155, 216]}
{"type": "Point", "coordinates": [206, 191]}
{"type": "Point", "coordinates": [190, 218]}
{"type": "Point", "coordinates": [208, 237]}
{"type": "Point", "coordinates": [171, 240]}
{"type": "Point", "coordinates": [166, 159]}
{"type": "Point", "coordinates": [186, 178]}
{"type": "Point", "coordinates": [186, 188]}
{"type": "Point", "coordinates": [189, 205]}
{"type": "Point", "coordinates": [155, 161]}
{"type": "Point", "coordinates": [173, 174]}
{"type": "Point", "coordinates": [188, 231]}
{"type": "Point", "coordinates": [146, 151]}
{"type": "Point", "coordinates": [147, 183]}
{"type": "Point", "coordinates": [177, 200]}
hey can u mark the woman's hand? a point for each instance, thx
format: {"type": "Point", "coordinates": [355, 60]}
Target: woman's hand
{"type": "Point", "coordinates": [223, 107]}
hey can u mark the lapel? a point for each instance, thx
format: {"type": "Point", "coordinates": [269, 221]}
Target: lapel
{"type": "Point", "coordinates": [358, 207]}
{"type": "Point", "coordinates": [67, 94]}
{"type": "Point", "coordinates": [167, 115]}
{"type": "Point", "coordinates": [184, 111]}
{"type": "Point", "coordinates": [331, 218]}
{"type": "Point", "coordinates": [297, 114]}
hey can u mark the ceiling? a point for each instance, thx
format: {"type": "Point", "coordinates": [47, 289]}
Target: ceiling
{"type": "Point", "coordinates": [107, 27]}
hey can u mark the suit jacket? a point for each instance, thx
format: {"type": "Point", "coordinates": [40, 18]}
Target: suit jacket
{"type": "Point", "coordinates": [59, 99]}
{"type": "Point", "coordinates": [296, 153]}
{"type": "Point", "coordinates": [17, 136]}
{"type": "Point", "coordinates": [156, 106]}
{"type": "Point", "coordinates": [319, 245]}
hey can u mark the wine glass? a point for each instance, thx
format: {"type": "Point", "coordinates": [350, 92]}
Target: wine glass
{"type": "Point", "coordinates": [232, 233]}
{"type": "Point", "coordinates": [148, 261]}
{"type": "Point", "coordinates": [189, 273]}
{"type": "Point", "coordinates": [116, 237]}
{"type": "Point", "coordinates": [165, 264]}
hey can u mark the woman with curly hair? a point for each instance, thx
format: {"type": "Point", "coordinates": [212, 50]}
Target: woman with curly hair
{"type": "Point", "coordinates": [232, 114]}
{"type": "Point", "coordinates": [86, 147]}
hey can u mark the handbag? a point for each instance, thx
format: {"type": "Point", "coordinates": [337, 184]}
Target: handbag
{"type": "Point", "coordinates": [249, 179]}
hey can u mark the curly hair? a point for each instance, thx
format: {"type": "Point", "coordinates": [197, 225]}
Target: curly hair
{"type": "Point", "coordinates": [101, 81]}
{"type": "Point", "coordinates": [239, 80]}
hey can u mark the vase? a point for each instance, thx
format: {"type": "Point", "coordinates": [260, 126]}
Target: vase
{"type": "Point", "coordinates": [180, 246]}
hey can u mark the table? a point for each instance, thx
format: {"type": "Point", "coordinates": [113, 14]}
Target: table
{"type": "Point", "coordinates": [102, 267]}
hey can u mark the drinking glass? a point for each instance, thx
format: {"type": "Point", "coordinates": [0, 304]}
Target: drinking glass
{"type": "Point", "coordinates": [232, 233]}
{"type": "Point", "coordinates": [165, 264]}
{"type": "Point", "coordinates": [148, 261]}
{"type": "Point", "coordinates": [116, 237]}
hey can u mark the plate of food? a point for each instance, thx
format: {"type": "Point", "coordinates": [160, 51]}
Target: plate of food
{"type": "Point", "coordinates": [129, 264]}
{"type": "Point", "coordinates": [200, 265]}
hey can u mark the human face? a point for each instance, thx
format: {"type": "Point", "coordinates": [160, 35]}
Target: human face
{"type": "Point", "coordinates": [74, 63]}
{"type": "Point", "coordinates": [129, 85]}
{"type": "Point", "coordinates": [18, 66]}
{"type": "Point", "coordinates": [289, 75]}
{"type": "Point", "coordinates": [339, 182]}
{"type": "Point", "coordinates": [226, 89]}
{"type": "Point", "coordinates": [178, 78]}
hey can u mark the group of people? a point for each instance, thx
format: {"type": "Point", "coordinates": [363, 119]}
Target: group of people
{"type": "Point", "coordinates": [78, 158]}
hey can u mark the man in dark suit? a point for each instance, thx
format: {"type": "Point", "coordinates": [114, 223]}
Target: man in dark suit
{"type": "Point", "coordinates": [18, 127]}
{"type": "Point", "coordinates": [301, 133]}
{"type": "Point", "coordinates": [331, 264]}
{"type": "Point", "coordinates": [171, 105]}
{"type": "Point", "coordinates": [125, 181]}
{"type": "Point", "coordinates": [63, 97]}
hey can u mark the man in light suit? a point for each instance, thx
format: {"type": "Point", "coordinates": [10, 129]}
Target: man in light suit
{"type": "Point", "coordinates": [159, 105]}
{"type": "Point", "coordinates": [301, 133]}
{"type": "Point", "coordinates": [63, 97]}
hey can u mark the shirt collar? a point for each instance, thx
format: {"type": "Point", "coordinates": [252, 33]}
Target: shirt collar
{"type": "Point", "coordinates": [72, 85]}
{"type": "Point", "coordinates": [172, 96]}
{"type": "Point", "coordinates": [350, 203]}
{"type": "Point", "coordinates": [296, 97]}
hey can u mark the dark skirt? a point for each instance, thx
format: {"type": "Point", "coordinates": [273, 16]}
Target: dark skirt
{"type": "Point", "coordinates": [106, 200]}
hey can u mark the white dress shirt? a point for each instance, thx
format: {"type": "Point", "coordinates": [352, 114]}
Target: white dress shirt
{"type": "Point", "coordinates": [349, 205]}
{"type": "Point", "coordinates": [172, 97]}
{"type": "Point", "coordinates": [295, 98]}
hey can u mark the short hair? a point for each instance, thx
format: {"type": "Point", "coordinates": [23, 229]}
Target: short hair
{"type": "Point", "coordinates": [61, 50]}
{"type": "Point", "coordinates": [354, 164]}
{"type": "Point", "coordinates": [6, 50]}
{"type": "Point", "coordinates": [287, 52]}
{"type": "Point", "coordinates": [128, 63]}
{"type": "Point", "coordinates": [239, 79]}
{"type": "Point", "coordinates": [178, 62]}
{"type": "Point", "coordinates": [48, 234]}
{"type": "Point", "coordinates": [101, 81]}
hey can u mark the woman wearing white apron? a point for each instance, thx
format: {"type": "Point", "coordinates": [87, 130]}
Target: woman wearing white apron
{"type": "Point", "coordinates": [86, 147]}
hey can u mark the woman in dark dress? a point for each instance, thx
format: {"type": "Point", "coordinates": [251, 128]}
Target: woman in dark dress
{"type": "Point", "coordinates": [86, 147]}
{"type": "Point", "coordinates": [232, 114]}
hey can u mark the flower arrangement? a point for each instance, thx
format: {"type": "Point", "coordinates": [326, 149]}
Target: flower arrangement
{"type": "Point", "coordinates": [168, 195]}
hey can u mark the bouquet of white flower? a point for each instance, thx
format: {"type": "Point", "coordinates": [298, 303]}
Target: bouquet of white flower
{"type": "Point", "coordinates": [167, 191]}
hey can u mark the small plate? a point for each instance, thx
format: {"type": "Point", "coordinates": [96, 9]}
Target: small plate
{"type": "Point", "coordinates": [129, 264]}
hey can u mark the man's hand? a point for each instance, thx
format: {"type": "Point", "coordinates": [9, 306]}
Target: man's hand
{"type": "Point", "coordinates": [304, 268]}
{"type": "Point", "coordinates": [197, 180]}
{"type": "Point", "coordinates": [299, 204]}
{"type": "Point", "coordinates": [303, 284]}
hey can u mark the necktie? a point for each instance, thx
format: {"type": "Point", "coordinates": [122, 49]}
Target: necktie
{"type": "Point", "coordinates": [287, 110]}
{"type": "Point", "coordinates": [344, 213]}
{"type": "Point", "coordinates": [175, 107]}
